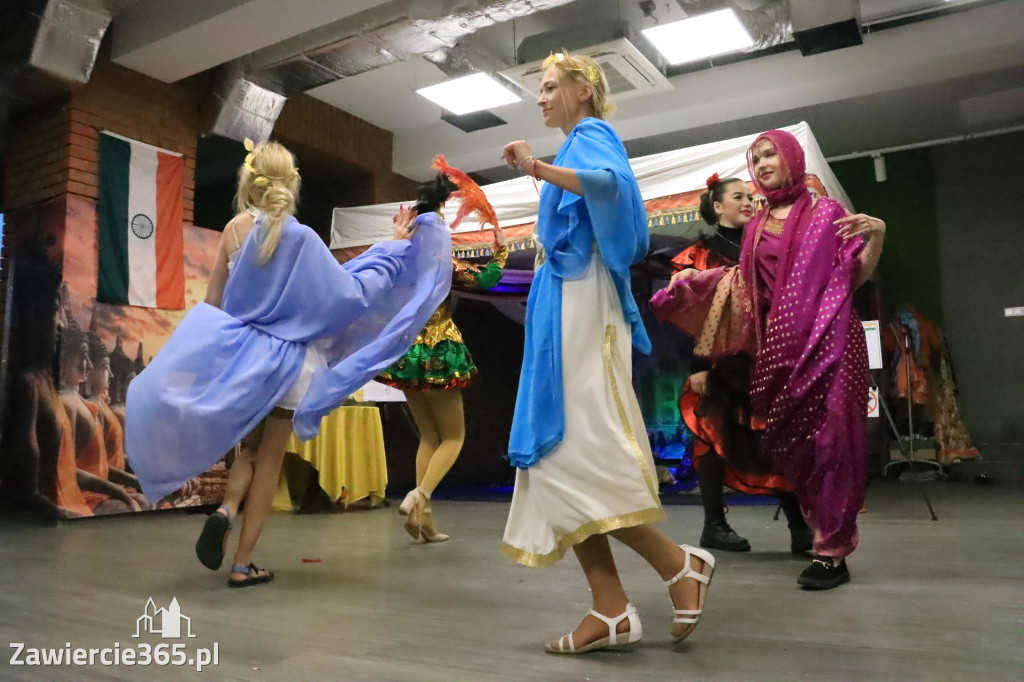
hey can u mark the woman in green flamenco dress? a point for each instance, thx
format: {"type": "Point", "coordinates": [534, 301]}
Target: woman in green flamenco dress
{"type": "Point", "coordinates": [433, 373]}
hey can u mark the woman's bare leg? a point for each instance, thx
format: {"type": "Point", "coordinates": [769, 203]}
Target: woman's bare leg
{"type": "Point", "coordinates": [595, 556]}
{"type": "Point", "coordinates": [266, 473]}
{"type": "Point", "coordinates": [666, 558]}
{"type": "Point", "coordinates": [240, 475]}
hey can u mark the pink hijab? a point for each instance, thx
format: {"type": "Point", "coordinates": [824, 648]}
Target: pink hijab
{"type": "Point", "coordinates": [793, 191]}
{"type": "Point", "coordinates": [794, 165]}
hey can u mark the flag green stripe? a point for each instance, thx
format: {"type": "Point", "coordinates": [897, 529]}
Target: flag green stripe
{"type": "Point", "coordinates": [115, 157]}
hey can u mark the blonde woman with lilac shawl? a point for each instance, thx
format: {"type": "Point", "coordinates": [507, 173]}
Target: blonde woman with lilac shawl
{"type": "Point", "coordinates": [790, 304]}
{"type": "Point", "coordinates": [284, 336]}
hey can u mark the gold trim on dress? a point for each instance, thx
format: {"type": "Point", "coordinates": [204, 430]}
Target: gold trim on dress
{"type": "Point", "coordinates": [774, 225]}
{"type": "Point", "coordinates": [755, 291]}
{"type": "Point", "coordinates": [597, 527]}
{"type": "Point", "coordinates": [611, 352]}
{"type": "Point", "coordinates": [707, 334]}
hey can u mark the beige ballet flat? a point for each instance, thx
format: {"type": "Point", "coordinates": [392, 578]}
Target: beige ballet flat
{"type": "Point", "coordinates": [427, 530]}
{"type": "Point", "coordinates": [684, 621]}
{"type": "Point", "coordinates": [614, 640]}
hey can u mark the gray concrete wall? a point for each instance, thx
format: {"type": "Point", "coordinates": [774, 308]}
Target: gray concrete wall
{"type": "Point", "coordinates": [979, 194]}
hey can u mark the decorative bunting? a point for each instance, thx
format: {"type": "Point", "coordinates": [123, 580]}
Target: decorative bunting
{"type": "Point", "coordinates": [672, 216]}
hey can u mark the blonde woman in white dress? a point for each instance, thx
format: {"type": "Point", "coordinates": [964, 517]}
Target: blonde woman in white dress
{"type": "Point", "coordinates": [578, 438]}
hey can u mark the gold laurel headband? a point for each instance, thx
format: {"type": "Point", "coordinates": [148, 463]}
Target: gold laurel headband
{"type": "Point", "coordinates": [261, 179]}
{"type": "Point", "coordinates": [590, 71]}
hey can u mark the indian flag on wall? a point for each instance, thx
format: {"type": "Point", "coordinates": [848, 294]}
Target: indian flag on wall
{"type": "Point", "coordinates": [140, 219]}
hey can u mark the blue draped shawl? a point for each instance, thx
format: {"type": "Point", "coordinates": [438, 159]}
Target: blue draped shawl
{"type": "Point", "coordinates": [610, 215]}
{"type": "Point", "coordinates": [224, 369]}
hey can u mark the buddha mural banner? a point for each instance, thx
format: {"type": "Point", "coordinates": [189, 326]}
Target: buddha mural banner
{"type": "Point", "coordinates": [70, 360]}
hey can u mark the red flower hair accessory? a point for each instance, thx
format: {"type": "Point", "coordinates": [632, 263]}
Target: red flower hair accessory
{"type": "Point", "coordinates": [712, 181]}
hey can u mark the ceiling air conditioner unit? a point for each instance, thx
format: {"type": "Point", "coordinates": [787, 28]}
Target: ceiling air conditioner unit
{"type": "Point", "coordinates": [629, 73]}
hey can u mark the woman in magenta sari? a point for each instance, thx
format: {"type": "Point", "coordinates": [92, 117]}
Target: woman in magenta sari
{"type": "Point", "coordinates": [789, 303]}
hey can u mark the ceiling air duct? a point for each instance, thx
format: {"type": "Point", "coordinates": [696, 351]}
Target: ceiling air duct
{"type": "Point", "coordinates": [46, 46]}
{"type": "Point", "coordinates": [253, 89]}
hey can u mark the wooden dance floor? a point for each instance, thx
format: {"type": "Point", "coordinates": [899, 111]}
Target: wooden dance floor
{"type": "Point", "coordinates": [929, 600]}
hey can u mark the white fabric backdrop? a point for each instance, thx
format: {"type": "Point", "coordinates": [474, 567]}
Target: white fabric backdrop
{"type": "Point", "coordinates": [659, 175]}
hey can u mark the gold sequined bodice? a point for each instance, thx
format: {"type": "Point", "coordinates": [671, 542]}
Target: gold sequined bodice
{"type": "Point", "coordinates": [441, 326]}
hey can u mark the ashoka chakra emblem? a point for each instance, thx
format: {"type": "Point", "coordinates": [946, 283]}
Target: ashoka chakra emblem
{"type": "Point", "coordinates": [142, 226]}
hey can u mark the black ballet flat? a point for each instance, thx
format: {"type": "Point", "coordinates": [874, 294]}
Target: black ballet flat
{"type": "Point", "coordinates": [824, 574]}
{"type": "Point", "coordinates": [801, 539]}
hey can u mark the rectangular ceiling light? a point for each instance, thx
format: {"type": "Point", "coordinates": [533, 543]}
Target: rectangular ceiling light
{"type": "Point", "coordinates": [705, 35]}
{"type": "Point", "coordinates": [469, 93]}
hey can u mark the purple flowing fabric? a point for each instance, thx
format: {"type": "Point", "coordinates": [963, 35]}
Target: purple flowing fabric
{"type": "Point", "coordinates": [810, 379]}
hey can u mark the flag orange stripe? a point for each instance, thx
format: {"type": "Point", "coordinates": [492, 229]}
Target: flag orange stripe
{"type": "Point", "coordinates": [170, 267]}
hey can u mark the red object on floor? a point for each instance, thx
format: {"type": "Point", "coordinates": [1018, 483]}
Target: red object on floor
{"type": "Point", "coordinates": [311, 561]}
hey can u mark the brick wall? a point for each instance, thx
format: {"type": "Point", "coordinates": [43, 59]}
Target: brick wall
{"type": "Point", "coordinates": [139, 108]}
{"type": "Point", "coordinates": [37, 159]}
{"type": "Point", "coordinates": [393, 187]}
{"type": "Point", "coordinates": [308, 122]}
{"type": "Point", "coordinates": [54, 150]}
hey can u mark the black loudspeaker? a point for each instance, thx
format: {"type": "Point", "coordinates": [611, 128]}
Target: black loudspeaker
{"type": "Point", "coordinates": [825, 25]}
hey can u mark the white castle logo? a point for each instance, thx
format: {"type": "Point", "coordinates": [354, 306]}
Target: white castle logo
{"type": "Point", "coordinates": [163, 622]}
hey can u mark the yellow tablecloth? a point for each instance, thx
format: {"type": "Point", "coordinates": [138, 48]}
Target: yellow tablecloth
{"type": "Point", "coordinates": [348, 454]}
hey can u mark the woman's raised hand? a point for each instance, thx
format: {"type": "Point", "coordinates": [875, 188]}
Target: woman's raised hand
{"type": "Point", "coordinates": [861, 224]}
{"type": "Point", "coordinates": [699, 383]}
{"type": "Point", "coordinates": [682, 275]}
{"type": "Point", "coordinates": [516, 153]}
{"type": "Point", "coordinates": [403, 221]}
{"type": "Point", "coordinates": [500, 238]}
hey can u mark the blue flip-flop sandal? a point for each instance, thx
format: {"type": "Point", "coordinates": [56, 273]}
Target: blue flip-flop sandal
{"type": "Point", "coordinates": [251, 578]}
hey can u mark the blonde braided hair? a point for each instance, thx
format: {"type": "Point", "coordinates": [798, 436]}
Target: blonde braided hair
{"type": "Point", "coordinates": [268, 181]}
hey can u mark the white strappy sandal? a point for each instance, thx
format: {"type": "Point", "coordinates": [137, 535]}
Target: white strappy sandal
{"type": "Point", "coordinates": [614, 640]}
{"type": "Point", "coordinates": [689, 618]}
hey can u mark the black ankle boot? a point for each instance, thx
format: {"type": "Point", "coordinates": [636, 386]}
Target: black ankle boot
{"type": "Point", "coordinates": [824, 573]}
{"type": "Point", "coordinates": [801, 538]}
{"type": "Point", "coordinates": [718, 535]}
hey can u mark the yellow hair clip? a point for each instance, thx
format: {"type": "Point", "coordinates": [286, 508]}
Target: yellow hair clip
{"type": "Point", "coordinates": [589, 71]}
{"type": "Point", "coordinates": [261, 179]}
